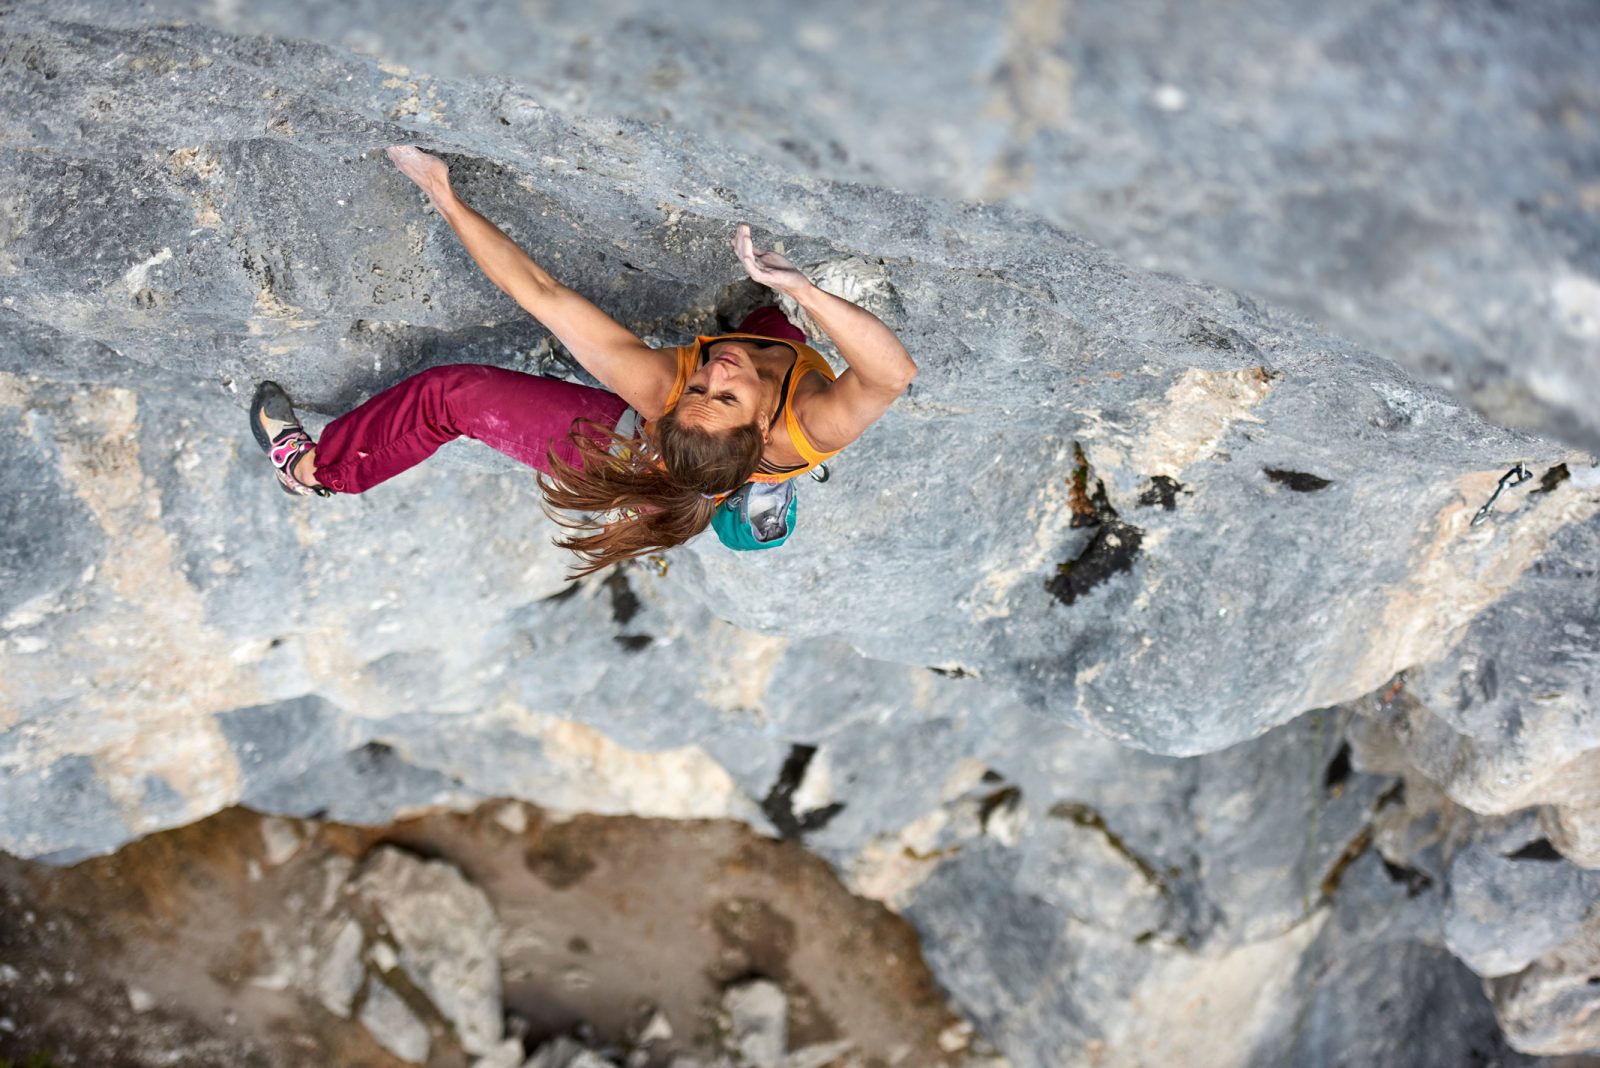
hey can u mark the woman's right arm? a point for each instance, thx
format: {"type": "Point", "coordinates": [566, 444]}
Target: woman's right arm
{"type": "Point", "coordinates": [880, 367]}
{"type": "Point", "coordinates": [642, 376]}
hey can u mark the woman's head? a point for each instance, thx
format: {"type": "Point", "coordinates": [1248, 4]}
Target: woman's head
{"type": "Point", "coordinates": [649, 496]}
{"type": "Point", "coordinates": [705, 459]}
{"type": "Point", "coordinates": [729, 389]}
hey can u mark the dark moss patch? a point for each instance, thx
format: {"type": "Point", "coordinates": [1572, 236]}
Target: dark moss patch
{"type": "Point", "coordinates": [563, 595]}
{"type": "Point", "coordinates": [625, 604]}
{"type": "Point", "coordinates": [633, 643]}
{"type": "Point", "coordinates": [1112, 549]}
{"type": "Point", "coordinates": [779, 802]}
{"type": "Point", "coordinates": [1351, 853]}
{"type": "Point", "coordinates": [372, 754]}
{"type": "Point", "coordinates": [952, 672]}
{"type": "Point", "coordinates": [1539, 849]}
{"type": "Point", "coordinates": [1338, 771]}
{"type": "Point", "coordinates": [1087, 817]}
{"type": "Point", "coordinates": [1552, 478]}
{"type": "Point", "coordinates": [1162, 491]}
{"type": "Point", "coordinates": [1415, 882]}
{"type": "Point", "coordinates": [1299, 481]}
{"type": "Point", "coordinates": [1005, 799]}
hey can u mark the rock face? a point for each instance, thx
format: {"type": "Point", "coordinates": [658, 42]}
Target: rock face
{"type": "Point", "coordinates": [1037, 669]}
{"type": "Point", "coordinates": [1158, 440]}
{"type": "Point", "coordinates": [1424, 177]}
{"type": "Point", "coordinates": [1505, 719]}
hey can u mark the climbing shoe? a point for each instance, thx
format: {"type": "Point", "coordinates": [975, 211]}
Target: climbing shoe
{"type": "Point", "coordinates": [281, 437]}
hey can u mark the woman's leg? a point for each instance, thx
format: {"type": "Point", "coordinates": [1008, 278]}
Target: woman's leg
{"type": "Point", "coordinates": [516, 414]}
{"type": "Point", "coordinates": [770, 322]}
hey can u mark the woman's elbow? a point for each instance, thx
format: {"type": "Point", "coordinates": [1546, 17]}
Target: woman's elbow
{"type": "Point", "coordinates": [908, 374]}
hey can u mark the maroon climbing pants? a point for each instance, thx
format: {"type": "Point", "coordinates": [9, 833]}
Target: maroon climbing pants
{"type": "Point", "coordinates": [511, 412]}
{"type": "Point", "coordinates": [517, 414]}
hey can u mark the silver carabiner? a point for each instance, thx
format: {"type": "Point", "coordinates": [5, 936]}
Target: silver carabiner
{"type": "Point", "coordinates": [1510, 480]}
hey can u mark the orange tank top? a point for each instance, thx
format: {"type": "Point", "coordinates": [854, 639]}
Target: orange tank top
{"type": "Point", "coordinates": [806, 361]}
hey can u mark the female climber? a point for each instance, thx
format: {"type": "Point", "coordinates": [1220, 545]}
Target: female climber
{"type": "Point", "coordinates": [647, 461]}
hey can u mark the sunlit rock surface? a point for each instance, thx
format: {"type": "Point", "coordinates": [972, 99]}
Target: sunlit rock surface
{"type": "Point", "coordinates": [1036, 669]}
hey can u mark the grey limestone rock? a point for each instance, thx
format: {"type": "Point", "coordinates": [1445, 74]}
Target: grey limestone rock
{"type": "Point", "coordinates": [402, 944]}
{"type": "Point", "coordinates": [1514, 909]}
{"type": "Point", "coordinates": [446, 936]}
{"type": "Point", "coordinates": [1576, 834]}
{"type": "Point", "coordinates": [1513, 898]}
{"type": "Point", "coordinates": [508, 1054]}
{"type": "Point", "coordinates": [758, 1017]}
{"type": "Point", "coordinates": [1085, 659]}
{"type": "Point", "coordinates": [391, 1021]}
{"type": "Point", "coordinates": [1095, 384]}
{"type": "Point", "coordinates": [1421, 176]}
{"type": "Point", "coordinates": [67, 795]}
{"type": "Point", "coordinates": [1506, 719]}
{"type": "Point", "coordinates": [340, 970]}
{"type": "Point", "coordinates": [565, 1053]}
{"type": "Point", "coordinates": [1553, 1006]}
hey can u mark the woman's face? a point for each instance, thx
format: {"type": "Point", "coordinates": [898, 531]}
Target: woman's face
{"type": "Point", "coordinates": [726, 391]}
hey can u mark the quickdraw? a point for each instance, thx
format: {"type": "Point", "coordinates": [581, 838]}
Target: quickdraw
{"type": "Point", "coordinates": [1510, 480]}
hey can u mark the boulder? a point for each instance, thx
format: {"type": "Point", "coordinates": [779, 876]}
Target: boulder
{"type": "Point", "coordinates": [1550, 1007]}
{"type": "Point", "coordinates": [758, 1023]}
{"type": "Point", "coordinates": [393, 1023]}
{"type": "Point", "coordinates": [446, 936]}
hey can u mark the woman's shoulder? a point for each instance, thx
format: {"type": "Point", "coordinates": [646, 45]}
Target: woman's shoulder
{"type": "Point", "coordinates": [685, 359]}
{"type": "Point", "coordinates": [808, 362]}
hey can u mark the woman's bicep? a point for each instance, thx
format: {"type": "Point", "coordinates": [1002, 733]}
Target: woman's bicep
{"type": "Point", "coordinates": [835, 416]}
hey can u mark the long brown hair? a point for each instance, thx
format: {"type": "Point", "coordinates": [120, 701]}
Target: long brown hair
{"type": "Point", "coordinates": [659, 487]}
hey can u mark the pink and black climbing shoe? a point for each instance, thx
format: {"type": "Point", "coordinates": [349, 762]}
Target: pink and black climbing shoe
{"type": "Point", "coordinates": [281, 437]}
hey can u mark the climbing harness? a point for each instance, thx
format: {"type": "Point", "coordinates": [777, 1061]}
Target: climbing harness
{"type": "Point", "coordinates": [1511, 479]}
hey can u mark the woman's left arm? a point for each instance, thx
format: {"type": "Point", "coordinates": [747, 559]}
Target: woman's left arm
{"type": "Point", "coordinates": [880, 367]}
{"type": "Point", "coordinates": [642, 376]}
